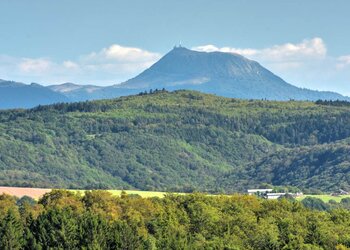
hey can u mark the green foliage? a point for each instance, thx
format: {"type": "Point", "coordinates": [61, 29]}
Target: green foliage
{"type": "Point", "coordinates": [178, 141]}
{"type": "Point", "coordinates": [195, 221]}
{"type": "Point", "coordinates": [11, 232]}
{"type": "Point", "coordinates": [315, 203]}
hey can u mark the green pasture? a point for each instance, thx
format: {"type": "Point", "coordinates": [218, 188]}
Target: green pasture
{"type": "Point", "coordinates": [143, 194]}
{"type": "Point", "coordinates": [148, 194]}
{"type": "Point", "coordinates": [325, 197]}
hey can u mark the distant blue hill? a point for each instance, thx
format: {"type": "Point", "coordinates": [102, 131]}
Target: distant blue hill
{"type": "Point", "coordinates": [219, 73]}
{"type": "Point", "coordinates": [19, 95]}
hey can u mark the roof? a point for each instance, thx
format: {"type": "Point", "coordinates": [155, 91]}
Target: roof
{"type": "Point", "coordinates": [259, 190]}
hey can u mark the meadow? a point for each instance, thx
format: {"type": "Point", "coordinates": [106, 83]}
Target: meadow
{"type": "Point", "coordinates": [36, 193]}
{"type": "Point", "coordinates": [325, 197]}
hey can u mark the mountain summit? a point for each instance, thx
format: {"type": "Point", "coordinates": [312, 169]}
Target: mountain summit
{"type": "Point", "coordinates": [183, 66]}
{"type": "Point", "coordinates": [224, 74]}
{"type": "Point", "coordinates": [220, 73]}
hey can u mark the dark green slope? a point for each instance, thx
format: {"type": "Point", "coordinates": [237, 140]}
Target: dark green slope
{"type": "Point", "coordinates": [323, 167]}
{"type": "Point", "coordinates": [179, 141]}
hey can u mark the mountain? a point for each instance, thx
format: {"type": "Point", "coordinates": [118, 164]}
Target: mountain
{"type": "Point", "coordinates": [77, 92]}
{"type": "Point", "coordinates": [224, 74]}
{"type": "Point", "coordinates": [19, 95]}
{"type": "Point", "coordinates": [219, 73]}
{"type": "Point", "coordinates": [177, 141]}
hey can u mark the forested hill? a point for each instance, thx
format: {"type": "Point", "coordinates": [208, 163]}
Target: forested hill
{"type": "Point", "coordinates": [177, 141]}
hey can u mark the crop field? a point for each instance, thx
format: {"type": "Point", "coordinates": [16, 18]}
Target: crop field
{"type": "Point", "coordinates": [36, 193]}
{"type": "Point", "coordinates": [144, 194]}
{"type": "Point", "coordinates": [325, 197]}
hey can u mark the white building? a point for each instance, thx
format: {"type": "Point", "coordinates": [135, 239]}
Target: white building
{"type": "Point", "coordinates": [267, 193]}
{"type": "Point", "coordinates": [259, 191]}
{"type": "Point", "coordinates": [274, 196]}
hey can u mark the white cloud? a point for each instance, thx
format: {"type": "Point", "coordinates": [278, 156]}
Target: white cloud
{"type": "Point", "coordinates": [70, 65]}
{"type": "Point", "coordinates": [343, 61]}
{"type": "Point", "coordinates": [305, 64]}
{"type": "Point", "coordinates": [308, 49]}
{"type": "Point", "coordinates": [119, 61]}
{"type": "Point", "coordinates": [116, 54]}
{"type": "Point", "coordinates": [110, 65]}
{"type": "Point", "coordinates": [39, 65]}
{"type": "Point", "coordinates": [128, 54]}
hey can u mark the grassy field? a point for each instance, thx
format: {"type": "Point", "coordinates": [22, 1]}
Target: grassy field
{"type": "Point", "coordinates": [144, 194]}
{"type": "Point", "coordinates": [36, 193]}
{"type": "Point", "coordinates": [325, 197]}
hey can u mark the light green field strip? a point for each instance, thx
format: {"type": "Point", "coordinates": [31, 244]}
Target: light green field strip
{"type": "Point", "coordinates": [325, 197]}
{"type": "Point", "coordinates": [144, 194]}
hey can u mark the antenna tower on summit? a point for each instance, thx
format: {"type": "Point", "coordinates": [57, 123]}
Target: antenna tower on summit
{"type": "Point", "coordinates": [178, 46]}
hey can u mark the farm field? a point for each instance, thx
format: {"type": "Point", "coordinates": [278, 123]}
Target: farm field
{"type": "Point", "coordinates": [325, 197]}
{"type": "Point", "coordinates": [36, 193]}
{"type": "Point", "coordinates": [143, 194]}
{"type": "Point", "coordinates": [19, 192]}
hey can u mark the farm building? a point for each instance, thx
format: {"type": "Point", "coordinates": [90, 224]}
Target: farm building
{"type": "Point", "coordinates": [259, 191]}
{"type": "Point", "coordinates": [267, 193]}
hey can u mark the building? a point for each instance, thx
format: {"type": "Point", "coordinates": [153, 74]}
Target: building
{"type": "Point", "coordinates": [273, 196]}
{"type": "Point", "coordinates": [259, 191]}
{"type": "Point", "coordinates": [267, 193]}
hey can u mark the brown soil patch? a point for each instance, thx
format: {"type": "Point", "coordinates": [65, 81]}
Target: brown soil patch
{"type": "Point", "coordinates": [35, 193]}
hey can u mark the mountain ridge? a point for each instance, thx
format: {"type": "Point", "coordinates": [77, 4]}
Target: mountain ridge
{"type": "Point", "coordinates": [223, 74]}
{"type": "Point", "coordinates": [20, 95]}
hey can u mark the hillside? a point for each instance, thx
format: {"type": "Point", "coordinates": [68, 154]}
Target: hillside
{"type": "Point", "coordinates": [178, 141]}
{"type": "Point", "coordinates": [76, 92]}
{"type": "Point", "coordinates": [19, 95]}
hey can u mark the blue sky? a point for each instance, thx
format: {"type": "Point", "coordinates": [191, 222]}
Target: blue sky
{"type": "Point", "coordinates": [106, 42]}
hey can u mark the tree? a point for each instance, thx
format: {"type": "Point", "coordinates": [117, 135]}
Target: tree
{"type": "Point", "coordinates": [315, 203]}
{"type": "Point", "coordinates": [57, 228]}
{"type": "Point", "coordinates": [125, 236]}
{"type": "Point", "coordinates": [94, 231]}
{"type": "Point", "coordinates": [11, 232]}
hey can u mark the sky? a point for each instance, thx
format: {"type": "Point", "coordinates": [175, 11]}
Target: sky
{"type": "Point", "coordinates": [106, 42]}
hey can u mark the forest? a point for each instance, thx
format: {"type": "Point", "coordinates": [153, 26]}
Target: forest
{"type": "Point", "coordinates": [181, 141]}
{"type": "Point", "coordinates": [99, 220]}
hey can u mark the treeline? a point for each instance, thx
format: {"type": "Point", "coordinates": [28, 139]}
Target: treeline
{"type": "Point", "coordinates": [337, 103]}
{"type": "Point", "coordinates": [318, 204]}
{"type": "Point", "coordinates": [98, 220]}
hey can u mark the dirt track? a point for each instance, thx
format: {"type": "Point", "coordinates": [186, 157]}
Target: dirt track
{"type": "Point", "coordinates": [35, 193]}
